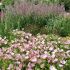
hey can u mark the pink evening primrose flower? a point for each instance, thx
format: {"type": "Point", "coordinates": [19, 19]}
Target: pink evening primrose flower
{"type": "Point", "coordinates": [67, 42]}
{"type": "Point", "coordinates": [33, 59]}
{"type": "Point", "coordinates": [44, 56]}
{"type": "Point", "coordinates": [27, 46]}
{"type": "Point", "coordinates": [20, 65]}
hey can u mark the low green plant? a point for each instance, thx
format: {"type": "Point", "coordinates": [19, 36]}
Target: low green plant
{"type": "Point", "coordinates": [5, 63]}
{"type": "Point", "coordinates": [67, 66]}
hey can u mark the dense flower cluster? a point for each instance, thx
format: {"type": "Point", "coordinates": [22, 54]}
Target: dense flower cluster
{"type": "Point", "coordinates": [26, 51]}
{"type": "Point", "coordinates": [26, 8]}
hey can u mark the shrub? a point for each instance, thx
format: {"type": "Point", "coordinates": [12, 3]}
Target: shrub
{"type": "Point", "coordinates": [58, 25]}
{"type": "Point", "coordinates": [7, 2]}
{"type": "Point", "coordinates": [62, 25]}
{"type": "Point", "coordinates": [36, 24]}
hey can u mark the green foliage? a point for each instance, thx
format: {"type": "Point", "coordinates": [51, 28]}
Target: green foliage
{"type": "Point", "coordinates": [7, 2]}
{"type": "Point", "coordinates": [58, 25]}
{"type": "Point", "coordinates": [66, 4]}
{"type": "Point", "coordinates": [37, 67]}
{"type": "Point", "coordinates": [36, 24]}
{"type": "Point", "coordinates": [57, 67]}
{"type": "Point", "coordinates": [32, 28]}
{"type": "Point", "coordinates": [67, 66]}
{"type": "Point", "coordinates": [43, 1]}
{"type": "Point", "coordinates": [4, 31]}
{"type": "Point", "coordinates": [62, 25]}
{"type": "Point", "coordinates": [46, 66]}
{"type": "Point", "coordinates": [5, 63]}
{"type": "Point", "coordinates": [1, 63]}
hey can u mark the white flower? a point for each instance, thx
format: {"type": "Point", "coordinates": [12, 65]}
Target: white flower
{"type": "Point", "coordinates": [42, 42]}
{"type": "Point", "coordinates": [45, 52]}
{"type": "Point", "coordinates": [0, 3]}
{"type": "Point", "coordinates": [17, 62]}
{"type": "Point", "coordinates": [29, 34]}
{"type": "Point", "coordinates": [26, 57]}
{"type": "Point", "coordinates": [5, 42]}
{"type": "Point", "coordinates": [34, 59]}
{"type": "Point", "coordinates": [10, 67]}
{"type": "Point", "coordinates": [55, 51]}
{"type": "Point", "coordinates": [27, 52]}
{"type": "Point", "coordinates": [59, 41]}
{"type": "Point", "coordinates": [53, 55]}
{"type": "Point", "coordinates": [60, 65]}
{"type": "Point", "coordinates": [52, 68]}
{"type": "Point", "coordinates": [63, 62]}
{"type": "Point", "coordinates": [55, 60]}
{"type": "Point", "coordinates": [12, 53]}
{"type": "Point", "coordinates": [68, 53]}
{"type": "Point", "coordinates": [61, 50]}
{"type": "Point", "coordinates": [0, 38]}
{"type": "Point", "coordinates": [26, 37]}
{"type": "Point", "coordinates": [51, 49]}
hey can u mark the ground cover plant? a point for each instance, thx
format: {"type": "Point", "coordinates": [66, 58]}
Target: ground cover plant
{"type": "Point", "coordinates": [27, 52]}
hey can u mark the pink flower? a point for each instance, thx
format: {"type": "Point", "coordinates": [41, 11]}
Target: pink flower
{"type": "Point", "coordinates": [63, 62]}
{"type": "Point", "coordinates": [33, 39]}
{"type": "Point", "coordinates": [30, 65]}
{"type": "Point", "coordinates": [44, 56]}
{"type": "Point", "coordinates": [53, 55]}
{"type": "Point", "coordinates": [20, 65]}
{"type": "Point", "coordinates": [18, 57]}
{"type": "Point", "coordinates": [29, 69]}
{"type": "Point", "coordinates": [33, 53]}
{"type": "Point", "coordinates": [67, 42]}
{"type": "Point", "coordinates": [27, 46]}
{"type": "Point", "coordinates": [8, 56]}
{"type": "Point", "coordinates": [15, 45]}
{"type": "Point", "coordinates": [33, 59]}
